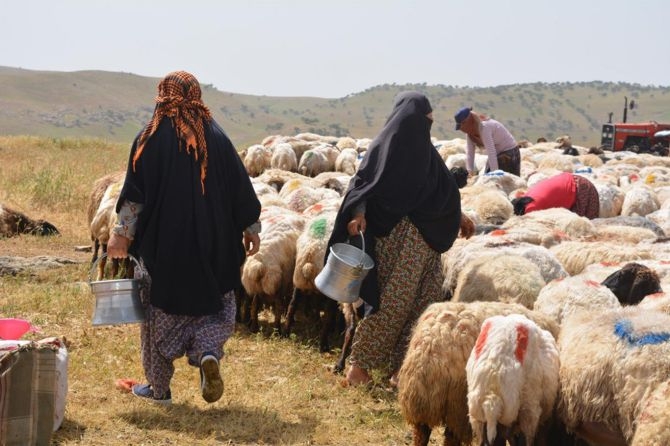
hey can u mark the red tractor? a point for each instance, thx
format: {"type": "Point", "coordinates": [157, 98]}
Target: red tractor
{"type": "Point", "coordinates": [641, 137]}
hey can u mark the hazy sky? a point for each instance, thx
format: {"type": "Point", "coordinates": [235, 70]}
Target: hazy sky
{"type": "Point", "coordinates": [332, 48]}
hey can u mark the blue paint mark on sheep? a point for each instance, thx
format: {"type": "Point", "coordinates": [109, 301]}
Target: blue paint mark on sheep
{"type": "Point", "coordinates": [624, 330]}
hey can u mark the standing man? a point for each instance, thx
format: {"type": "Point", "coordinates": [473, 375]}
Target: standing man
{"type": "Point", "coordinates": [188, 211]}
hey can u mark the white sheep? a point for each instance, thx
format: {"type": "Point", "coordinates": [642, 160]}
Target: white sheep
{"type": "Point", "coordinates": [299, 197]}
{"type": "Point", "coordinates": [283, 157]}
{"type": "Point", "coordinates": [548, 227]}
{"type": "Point", "coordinates": [652, 423]}
{"type": "Point", "coordinates": [490, 204]}
{"type": "Point", "coordinates": [310, 252]}
{"type": "Point", "coordinates": [346, 161]}
{"type": "Point", "coordinates": [611, 199]}
{"type": "Point", "coordinates": [257, 159]}
{"type": "Point", "coordinates": [313, 162]}
{"type": "Point", "coordinates": [432, 385]}
{"type": "Point", "coordinates": [464, 251]}
{"type": "Point", "coordinates": [346, 142]}
{"type": "Point", "coordinates": [561, 298]}
{"type": "Point", "coordinates": [267, 276]}
{"type": "Point", "coordinates": [576, 255]}
{"type": "Point", "coordinates": [502, 277]}
{"type": "Point", "coordinates": [610, 363]}
{"type": "Point", "coordinates": [640, 200]}
{"type": "Point", "coordinates": [657, 302]}
{"type": "Point", "coordinates": [512, 376]}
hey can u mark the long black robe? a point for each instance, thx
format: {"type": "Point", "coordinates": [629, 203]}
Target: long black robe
{"type": "Point", "coordinates": [402, 175]}
{"type": "Point", "coordinates": [190, 242]}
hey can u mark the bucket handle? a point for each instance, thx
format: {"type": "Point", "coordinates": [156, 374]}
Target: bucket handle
{"type": "Point", "coordinates": [95, 264]}
{"type": "Point", "coordinates": [360, 262]}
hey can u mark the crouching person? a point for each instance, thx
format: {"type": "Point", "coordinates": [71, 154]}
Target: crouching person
{"type": "Point", "coordinates": [188, 212]}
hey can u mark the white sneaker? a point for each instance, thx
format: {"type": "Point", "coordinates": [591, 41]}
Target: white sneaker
{"type": "Point", "coordinates": [211, 383]}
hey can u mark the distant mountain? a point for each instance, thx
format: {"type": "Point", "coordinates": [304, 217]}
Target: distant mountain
{"type": "Point", "coordinates": [114, 106]}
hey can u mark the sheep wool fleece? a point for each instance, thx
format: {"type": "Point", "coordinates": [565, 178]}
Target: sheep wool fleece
{"type": "Point", "coordinates": [410, 279]}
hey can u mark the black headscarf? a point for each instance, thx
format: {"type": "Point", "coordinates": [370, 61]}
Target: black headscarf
{"type": "Point", "coordinates": [401, 175]}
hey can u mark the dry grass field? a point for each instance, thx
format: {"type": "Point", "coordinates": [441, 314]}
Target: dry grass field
{"type": "Point", "coordinates": [277, 391]}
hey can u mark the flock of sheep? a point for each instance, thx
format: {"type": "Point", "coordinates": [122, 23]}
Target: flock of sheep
{"type": "Point", "coordinates": [551, 323]}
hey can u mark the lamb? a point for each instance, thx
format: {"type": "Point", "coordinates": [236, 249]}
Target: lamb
{"type": "Point", "coordinates": [13, 223]}
{"type": "Point", "coordinates": [512, 376]}
{"type": "Point", "coordinates": [502, 277]}
{"type": "Point", "coordinates": [610, 364]}
{"type": "Point", "coordinates": [432, 386]}
{"type": "Point", "coordinates": [504, 181]}
{"type": "Point", "coordinates": [267, 275]}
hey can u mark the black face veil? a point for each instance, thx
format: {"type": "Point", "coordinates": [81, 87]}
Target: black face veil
{"type": "Point", "coordinates": [403, 175]}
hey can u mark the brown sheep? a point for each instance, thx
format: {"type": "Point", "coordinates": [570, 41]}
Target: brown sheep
{"type": "Point", "coordinates": [633, 282]}
{"type": "Point", "coordinates": [14, 223]}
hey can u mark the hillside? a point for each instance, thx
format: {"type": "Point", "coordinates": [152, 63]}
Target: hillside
{"type": "Point", "coordinates": [114, 106]}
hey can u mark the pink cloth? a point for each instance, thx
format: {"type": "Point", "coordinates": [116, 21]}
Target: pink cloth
{"type": "Point", "coordinates": [558, 191]}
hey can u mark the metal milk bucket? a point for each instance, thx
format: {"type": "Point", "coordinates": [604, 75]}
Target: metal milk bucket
{"type": "Point", "coordinates": [342, 276]}
{"type": "Point", "coordinates": [117, 301]}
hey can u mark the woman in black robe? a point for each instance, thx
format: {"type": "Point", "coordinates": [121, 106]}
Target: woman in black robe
{"type": "Point", "coordinates": [188, 211]}
{"type": "Point", "coordinates": [407, 204]}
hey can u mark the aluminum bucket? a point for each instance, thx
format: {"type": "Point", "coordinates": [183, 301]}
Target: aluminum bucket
{"type": "Point", "coordinates": [117, 301]}
{"type": "Point", "coordinates": [342, 276]}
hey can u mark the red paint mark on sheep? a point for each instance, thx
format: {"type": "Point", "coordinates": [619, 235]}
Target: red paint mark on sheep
{"type": "Point", "coordinates": [497, 232]}
{"type": "Point", "coordinates": [656, 295]}
{"type": "Point", "coordinates": [592, 283]}
{"type": "Point", "coordinates": [481, 339]}
{"type": "Point", "coordinates": [521, 342]}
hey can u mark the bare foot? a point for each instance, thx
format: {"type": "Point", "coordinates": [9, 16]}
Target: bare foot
{"type": "Point", "coordinates": [357, 376]}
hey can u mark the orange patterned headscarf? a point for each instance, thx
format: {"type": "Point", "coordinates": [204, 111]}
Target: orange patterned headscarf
{"type": "Point", "coordinates": [179, 98]}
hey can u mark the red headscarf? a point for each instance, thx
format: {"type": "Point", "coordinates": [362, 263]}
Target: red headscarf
{"type": "Point", "coordinates": [179, 98]}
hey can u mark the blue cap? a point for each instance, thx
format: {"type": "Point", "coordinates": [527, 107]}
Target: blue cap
{"type": "Point", "coordinates": [461, 115]}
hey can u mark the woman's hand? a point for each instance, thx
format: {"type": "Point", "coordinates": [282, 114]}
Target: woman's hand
{"type": "Point", "coordinates": [117, 246]}
{"type": "Point", "coordinates": [357, 224]}
{"type": "Point", "coordinates": [252, 243]}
